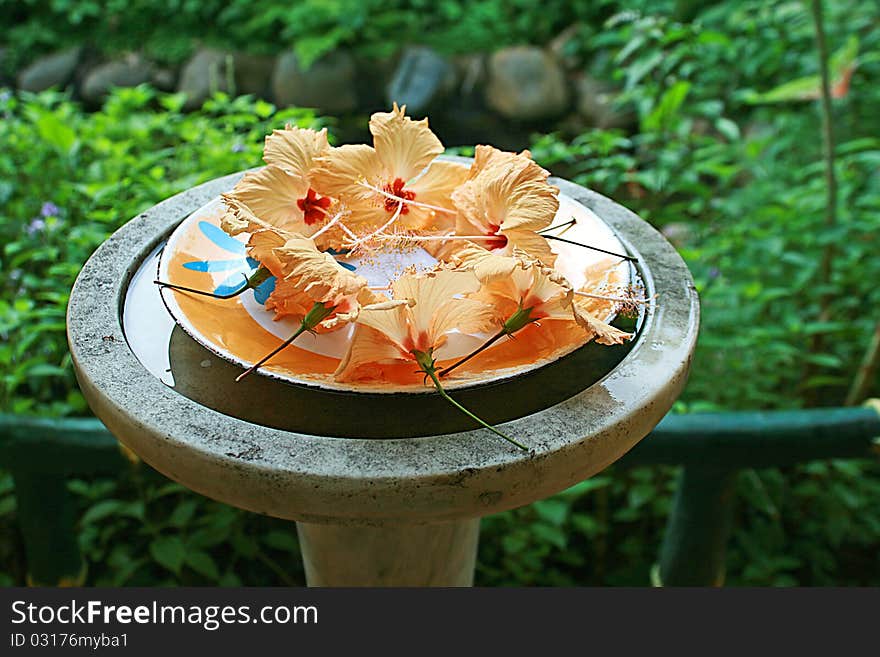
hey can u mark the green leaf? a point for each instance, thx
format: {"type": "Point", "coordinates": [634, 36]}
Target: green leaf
{"type": "Point", "coordinates": [844, 57]}
{"type": "Point", "coordinates": [169, 552]}
{"type": "Point", "coordinates": [728, 128]}
{"type": "Point", "coordinates": [279, 540]}
{"type": "Point", "coordinates": [182, 513]}
{"type": "Point", "coordinates": [801, 89]}
{"type": "Point", "coordinates": [552, 534]}
{"type": "Point", "coordinates": [552, 511]}
{"type": "Point", "coordinates": [203, 563]}
{"type": "Point", "coordinates": [106, 508]}
{"type": "Point", "coordinates": [584, 487]}
{"type": "Point", "coordinates": [662, 117]}
{"type": "Point", "coordinates": [53, 131]}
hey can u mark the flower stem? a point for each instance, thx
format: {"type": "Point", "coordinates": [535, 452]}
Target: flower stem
{"type": "Point", "coordinates": [318, 313]}
{"type": "Point", "coordinates": [568, 224]}
{"type": "Point", "coordinates": [521, 318]}
{"type": "Point", "coordinates": [426, 362]}
{"type": "Point", "coordinates": [604, 297]}
{"type": "Point", "coordinates": [250, 282]}
{"type": "Point", "coordinates": [587, 246]}
{"type": "Point", "coordinates": [480, 349]}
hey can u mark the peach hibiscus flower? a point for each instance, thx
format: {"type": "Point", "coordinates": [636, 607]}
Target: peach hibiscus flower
{"type": "Point", "coordinates": [506, 199]}
{"type": "Point", "coordinates": [281, 195]}
{"type": "Point", "coordinates": [394, 181]}
{"type": "Point", "coordinates": [428, 307]}
{"type": "Point", "coordinates": [306, 276]}
{"type": "Point", "coordinates": [521, 290]}
{"type": "Point", "coordinates": [311, 285]}
{"type": "Point", "coordinates": [424, 310]}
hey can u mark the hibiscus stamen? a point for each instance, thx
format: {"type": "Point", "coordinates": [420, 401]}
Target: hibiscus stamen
{"type": "Point", "coordinates": [318, 313]}
{"type": "Point", "coordinates": [347, 231]}
{"type": "Point", "coordinates": [250, 282]}
{"type": "Point", "coordinates": [406, 237]}
{"type": "Point", "coordinates": [498, 239]}
{"type": "Point", "coordinates": [366, 238]}
{"type": "Point", "coordinates": [628, 303]}
{"type": "Point", "coordinates": [396, 189]}
{"type": "Point", "coordinates": [389, 195]}
{"type": "Point", "coordinates": [333, 222]}
{"type": "Point", "coordinates": [427, 364]}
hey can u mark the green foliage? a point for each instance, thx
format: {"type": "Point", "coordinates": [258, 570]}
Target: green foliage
{"type": "Point", "coordinates": [169, 29]}
{"type": "Point", "coordinates": [68, 180]}
{"type": "Point", "coordinates": [741, 190]}
{"type": "Point", "coordinates": [841, 66]}
{"type": "Point", "coordinates": [816, 524]}
{"type": "Point", "coordinates": [141, 530]}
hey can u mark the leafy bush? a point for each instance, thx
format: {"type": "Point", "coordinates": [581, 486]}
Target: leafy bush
{"type": "Point", "coordinates": [741, 190]}
{"type": "Point", "coordinates": [169, 29]}
{"type": "Point", "coordinates": [68, 180]}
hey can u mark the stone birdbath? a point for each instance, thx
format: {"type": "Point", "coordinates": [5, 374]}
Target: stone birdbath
{"type": "Point", "coordinates": [372, 506]}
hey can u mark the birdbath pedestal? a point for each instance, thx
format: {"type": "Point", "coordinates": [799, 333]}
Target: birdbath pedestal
{"type": "Point", "coordinates": [369, 511]}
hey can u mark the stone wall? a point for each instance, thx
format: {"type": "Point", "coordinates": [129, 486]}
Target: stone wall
{"type": "Point", "coordinates": [501, 97]}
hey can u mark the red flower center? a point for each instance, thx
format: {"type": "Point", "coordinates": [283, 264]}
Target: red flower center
{"type": "Point", "coordinates": [397, 189]}
{"type": "Point", "coordinates": [313, 207]}
{"type": "Point", "coordinates": [499, 242]}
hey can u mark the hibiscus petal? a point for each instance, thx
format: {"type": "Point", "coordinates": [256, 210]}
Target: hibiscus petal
{"type": "Point", "coordinates": [341, 170]}
{"type": "Point", "coordinates": [487, 266]}
{"type": "Point", "coordinates": [237, 217]}
{"type": "Point", "coordinates": [261, 247]}
{"type": "Point", "coordinates": [529, 206]}
{"type": "Point", "coordinates": [389, 318]}
{"type": "Point", "coordinates": [436, 185]}
{"type": "Point", "coordinates": [533, 244]}
{"type": "Point", "coordinates": [316, 273]}
{"type": "Point", "coordinates": [466, 315]}
{"type": "Point", "coordinates": [602, 332]}
{"type": "Point", "coordinates": [294, 150]}
{"type": "Point", "coordinates": [287, 300]}
{"type": "Point", "coordinates": [405, 147]}
{"type": "Point", "coordinates": [430, 291]}
{"type": "Point", "coordinates": [271, 194]}
{"type": "Point", "coordinates": [368, 347]}
{"type": "Point", "coordinates": [507, 190]}
{"type": "Point", "coordinates": [602, 278]}
{"type": "Point", "coordinates": [546, 284]}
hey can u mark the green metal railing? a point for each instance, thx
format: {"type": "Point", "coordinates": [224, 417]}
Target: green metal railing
{"type": "Point", "coordinates": [42, 454]}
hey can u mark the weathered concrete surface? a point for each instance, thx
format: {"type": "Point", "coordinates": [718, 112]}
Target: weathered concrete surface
{"type": "Point", "coordinates": [344, 481]}
{"type": "Point", "coordinates": [440, 554]}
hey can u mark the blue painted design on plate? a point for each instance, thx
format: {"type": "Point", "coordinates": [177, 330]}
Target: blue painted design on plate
{"type": "Point", "coordinates": [239, 268]}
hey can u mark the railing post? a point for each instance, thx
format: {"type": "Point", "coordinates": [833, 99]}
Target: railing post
{"type": "Point", "coordinates": [41, 454]}
{"type": "Point", "coordinates": [694, 544]}
{"type": "Point", "coordinates": [47, 517]}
